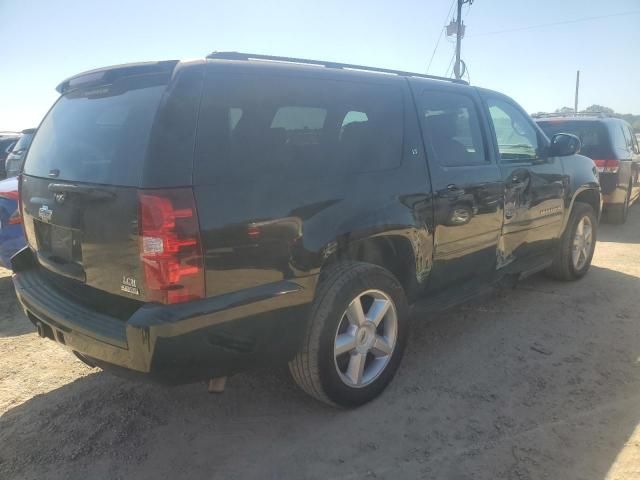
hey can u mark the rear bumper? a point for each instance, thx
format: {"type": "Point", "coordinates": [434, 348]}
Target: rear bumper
{"type": "Point", "coordinates": [175, 343]}
{"type": "Point", "coordinates": [614, 189]}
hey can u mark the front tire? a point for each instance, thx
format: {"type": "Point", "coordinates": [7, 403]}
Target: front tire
{"type": "Point", "coordinates": [577, 245]}
{"type": "Point", "coordinates": [356, 335]}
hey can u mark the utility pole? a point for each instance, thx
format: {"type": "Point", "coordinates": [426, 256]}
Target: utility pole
{"type": "Point", "coordinates": [458, 28]}
{"type": "Point", "coordinates": [575, 107]}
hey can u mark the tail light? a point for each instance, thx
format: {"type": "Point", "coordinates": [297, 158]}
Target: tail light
{"type": "Point", "coordinates": [16, 216]}
{"type": "Point", "coordinates": [607, 166]}
{"type": "Point", "coordinates": [170, 248]}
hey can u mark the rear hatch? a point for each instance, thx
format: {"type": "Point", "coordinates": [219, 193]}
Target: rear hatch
{"type": "Point", "coordinates": [110, 141]}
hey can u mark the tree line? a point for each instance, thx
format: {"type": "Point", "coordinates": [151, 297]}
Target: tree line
{"type": "Point", "coordinates": [634, 120]}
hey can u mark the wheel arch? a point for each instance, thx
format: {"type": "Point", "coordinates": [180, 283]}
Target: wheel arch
{"type": "Point", "coordinates": [394, 252]}
{"type": "Point", "coordinates": [585, 194]}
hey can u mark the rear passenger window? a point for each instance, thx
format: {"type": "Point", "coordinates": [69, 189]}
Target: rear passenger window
{"type": "Point", "coordinates": [451, 126]}
{"type": "Point", "coordinates": [252, 126]}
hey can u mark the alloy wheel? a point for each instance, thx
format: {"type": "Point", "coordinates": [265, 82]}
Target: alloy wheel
{"type": "Point", "coordinates": [365, 338]}
{"type": "Point", "coordinates": [582, 243]}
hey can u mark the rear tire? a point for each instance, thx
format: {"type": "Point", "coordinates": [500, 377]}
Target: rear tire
{"type": "Point", "coordinates": [359, 315]}
{"type": "Point", "coordinates": [619, 215]}
{"type": "Point", "coordinates": [573, 256]}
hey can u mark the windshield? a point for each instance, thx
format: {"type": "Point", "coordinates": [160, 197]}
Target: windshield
{"type": "Point", "coordinates": [96, 136]}
{"type": "Point", "coordinates": [593, 135]}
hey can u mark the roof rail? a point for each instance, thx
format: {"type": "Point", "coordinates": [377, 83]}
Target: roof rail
{"type": "Point", "coordinates": [595, 114]}
{"type": "Point", "coordinates": [572, 114]}
{"type": "Point", "coordinates": [319, 63]}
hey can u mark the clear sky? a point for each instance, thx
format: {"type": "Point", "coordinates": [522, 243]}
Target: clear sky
{"type": "Point", "coordinates": [43, 42]}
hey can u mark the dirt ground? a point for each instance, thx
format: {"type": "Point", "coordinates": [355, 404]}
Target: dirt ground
{"type": "Point", "coordinates": [542, 382]}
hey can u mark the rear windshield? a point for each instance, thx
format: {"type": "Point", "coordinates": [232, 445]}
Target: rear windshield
{"type": "Point", "coordinates": [97, 135]}
{"type": "Point", "coordinates": [593, 135]}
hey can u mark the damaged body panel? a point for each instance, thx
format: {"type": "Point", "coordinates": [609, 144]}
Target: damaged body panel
{"type": "Point", "coordinates": [180, 215]}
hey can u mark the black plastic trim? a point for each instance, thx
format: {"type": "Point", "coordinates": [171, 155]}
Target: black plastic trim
{"type": "Point", "coordinates": [48, 305]}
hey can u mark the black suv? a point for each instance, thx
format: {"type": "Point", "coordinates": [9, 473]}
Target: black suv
{"type": "Point", "coordinates": [189, 220]}
{"type": "Point", "coordinates": [615, 150]}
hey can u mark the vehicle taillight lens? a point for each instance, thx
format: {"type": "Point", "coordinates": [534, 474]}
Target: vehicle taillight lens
{"type": "Point", "coordinates": [16, 216]}
{"type": "Point", "coordinates": [607, 166]}
{"type": "Point", "coordinates": [170, 248]}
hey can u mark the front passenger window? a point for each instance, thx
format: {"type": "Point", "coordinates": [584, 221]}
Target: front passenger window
{"type": "Point", "coordinates": [517, 137]}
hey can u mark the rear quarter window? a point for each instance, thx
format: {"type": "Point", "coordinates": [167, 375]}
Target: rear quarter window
{"type": "Point", "coordinates": [252, 126]}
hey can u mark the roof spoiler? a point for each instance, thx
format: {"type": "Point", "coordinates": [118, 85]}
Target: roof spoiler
{"type": "Point", "coordinates": [101, 76]}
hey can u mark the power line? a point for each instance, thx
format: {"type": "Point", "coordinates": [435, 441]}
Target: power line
{"type": "Point", "coordinates": [434, 50]}
{"type": "Point", "coordinates": [440, 37]}
{"type": "Point", "coordinates": [453, 57]}
{"type": "Point", "coordinates": [577, 20]}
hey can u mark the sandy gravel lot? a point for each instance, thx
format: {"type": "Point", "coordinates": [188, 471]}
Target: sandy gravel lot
{"type": "Point", "coordinates": [542, 382]}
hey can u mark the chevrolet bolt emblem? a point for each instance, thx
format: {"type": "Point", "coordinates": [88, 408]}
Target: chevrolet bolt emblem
{"type": "Point", "coordinates": [45, 214]}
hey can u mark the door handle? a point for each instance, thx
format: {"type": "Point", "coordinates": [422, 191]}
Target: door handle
{"type": "Point", "coordinates": [453, 188]}
{"type": "Point", "coordinates": [515, 179]}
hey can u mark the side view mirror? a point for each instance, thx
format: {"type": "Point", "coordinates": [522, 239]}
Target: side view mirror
{"type": "Point", "coordinates": [564, 144]}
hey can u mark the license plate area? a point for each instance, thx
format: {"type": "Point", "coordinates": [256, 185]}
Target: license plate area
{"type": "Point", "coordinates": [58, 243]}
